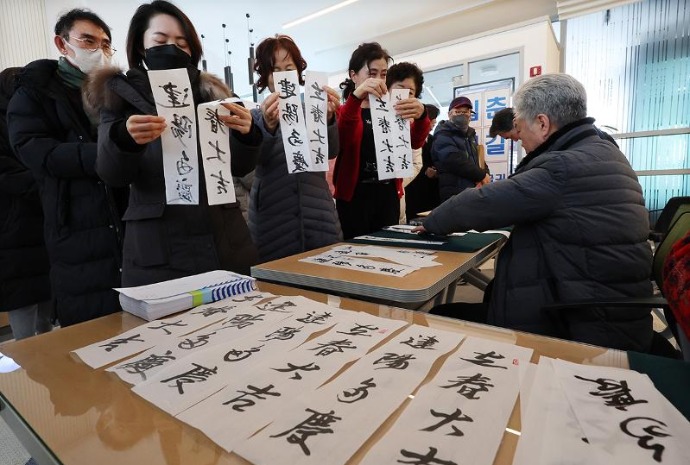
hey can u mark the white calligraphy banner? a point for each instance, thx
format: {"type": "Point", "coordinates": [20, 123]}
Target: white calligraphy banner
{"type": "Point", "coordinates": [316, 112]}
{"type": "Point", "coordinates": [391, 136]}
{"type": "Point", "coordinates": [203, 373]}
{"type": "Point", "coordinates": [383, 121]}
{"type": "Point", "coordinates": [214, 140]}
{"type": "Point", "coordinates": [625, 418]}
{"type": "Point", "coordinates": [403, 143]}
{"type": "Point", "coordinates": [550, 430]}
{"type": "Point", "coordinates": [467, 403]}
{"type": "Point", "coordinates": [292, 124]}
{"type": "Point", "coordinates": [330, 424]}
{"type": "Point", "coordinates": [344, 262]}
{"type": "Point", "coordinates": [401, 256]}
{"type": "Point", "coordinates": [233, 414]}
{"type": "Point", "coordinates": [234, 312]}
{"type": "Point", "coordinates": [172, 93]}
{"type": "Point", "coordinates": [146, 336]}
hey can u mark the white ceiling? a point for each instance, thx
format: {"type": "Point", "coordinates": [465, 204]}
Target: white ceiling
{"type": "Point", "coordinates": [400, 26]}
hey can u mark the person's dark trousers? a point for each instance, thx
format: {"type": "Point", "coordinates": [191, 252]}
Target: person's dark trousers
{"type": "Point", "coordinates": [373, 206]}
{"type": "Point", "coordinates": [475, 312]}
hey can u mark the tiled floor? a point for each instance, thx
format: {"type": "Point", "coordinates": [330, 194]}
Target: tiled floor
{"type": "Point", "coordinates": [11, 451]}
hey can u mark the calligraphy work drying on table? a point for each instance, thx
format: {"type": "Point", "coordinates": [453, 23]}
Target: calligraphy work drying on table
{"type": "Point", "coordinates": [601, 415]}
{"type": "Point", "coordinates": [293, 381]}
{"type": "Point", "coordinates": [373, 259]}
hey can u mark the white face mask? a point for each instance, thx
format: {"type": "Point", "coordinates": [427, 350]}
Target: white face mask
{"type": "Point", "coordinates": [86, 60]}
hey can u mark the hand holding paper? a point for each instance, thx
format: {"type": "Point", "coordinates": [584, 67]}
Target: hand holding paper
{"type": "Point", "coordinates": [145, 128]}
{"type": "Point", "coordinates": [409, 108]}
{"type": "Point", "coordinates": [373, 86]}
{"type": "Point", "coordinates": [239, 119]}
{"type": "Point", "coordinates": [333, 102]}
{"type": "Point", "coordinates": [269, 109]}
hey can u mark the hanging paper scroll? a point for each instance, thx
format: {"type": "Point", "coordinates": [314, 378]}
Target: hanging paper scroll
{"type": "Point", "coordinates": [292, 124]}
{"type": "Point", "coordinates": [172, 93]}
{"type": "Point", "coordinates": [391, 136]}
{"type": "Point", "coordinates": [316, 106]}
{"type": "Point", "coordinates": [214, 138]}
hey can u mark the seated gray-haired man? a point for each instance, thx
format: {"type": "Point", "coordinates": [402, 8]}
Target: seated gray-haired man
{"type": "Point", "coordinates": [580, 223]}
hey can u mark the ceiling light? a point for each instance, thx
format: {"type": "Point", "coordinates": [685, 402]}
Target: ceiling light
{"type": "Point", "coordinates": [311, 16]}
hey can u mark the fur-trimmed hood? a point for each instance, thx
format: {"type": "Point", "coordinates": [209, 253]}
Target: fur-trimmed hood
{"type": "Point", "coordinates": [105, 87]}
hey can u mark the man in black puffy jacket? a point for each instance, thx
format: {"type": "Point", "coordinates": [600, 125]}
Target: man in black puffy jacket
{"type": "Point", "coordinates": [51, 134]}
{"type": "Point", "coordinates": [580, 223]}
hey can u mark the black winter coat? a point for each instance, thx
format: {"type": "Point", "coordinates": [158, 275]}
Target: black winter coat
{"type": "Point", "coordinates": [52, 136]}
{"type": "Point", "coordinates": [164, 242]}
{"type": "Point", "coordinates": [580, 233]}
{"type": "Point", "coordinates": [24, 262]}
{"type": "Point", "coordinates": [422, 194]}
{"type": "Point", "coordinates": [290, 213]}
{"type": "Point", "coordinates": [456, 157]}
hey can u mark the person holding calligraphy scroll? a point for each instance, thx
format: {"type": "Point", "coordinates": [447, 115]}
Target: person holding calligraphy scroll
{"type": "Point", "coordinates": [289, 213]}
{"type": "Point", "coordinates": [408, 76]}
{"type": "Point", "coordinates": [164, 241]}
{"type": "Point", "coordinates": [366, 204]}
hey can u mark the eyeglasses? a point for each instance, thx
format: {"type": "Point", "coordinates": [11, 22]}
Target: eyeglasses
{"type": "Point", "coordinates": [461, 112]}
{"type": "Point", "coordinates": [91, 44]}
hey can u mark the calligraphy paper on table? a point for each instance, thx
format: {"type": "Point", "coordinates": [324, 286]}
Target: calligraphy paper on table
{"type": "Point", "coordinates": [337, 260]}
{"type": "Point", "coordinates": [330, 424]}
{"type": "Point", "coordinates": [172, 93]}
{"type": "Point", "coordinates": [144, 337]}
{"type": "Point", "coordinates": [391, 136]}
{"type": "Point", "coordinates": [467, 403]}
{"type": "Point", "coordinates": [316, 111]}
{"type": "Point", "coordinates": [233, 414]}
{"type": "Point", "coordinates": [234, 311]}
{"type": "Point", "coordinates": [401, 256]}
{"type": "Point", "coordinates": [292, 125]}
{"type": "Point", "coordinates": [395, 239]}
{"type": "Point", "coordinates": [214, 140]}
{"type": "Point", "coordinates": [192, 379]}
{"type": "Point", "coordinates": [550, 430]}
{"type": "Point", "coordinates": [624, 417]}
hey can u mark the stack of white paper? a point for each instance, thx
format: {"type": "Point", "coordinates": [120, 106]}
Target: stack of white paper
{"type": "Point", "coordinates": [158, 300]}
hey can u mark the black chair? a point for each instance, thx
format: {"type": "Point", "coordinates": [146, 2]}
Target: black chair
{"type": "Point", "coordinates": [673, 209]}
{"type": "Point", "coordinates": [607, 310]}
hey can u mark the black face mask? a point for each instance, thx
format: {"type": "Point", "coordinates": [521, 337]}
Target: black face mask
{"type": "Point", "coordinates": [462, 122]}
{"type": "Point", "coordinates": [167, 56]}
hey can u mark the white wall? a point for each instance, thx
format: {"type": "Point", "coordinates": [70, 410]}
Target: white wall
{"type": "Point", "coordinates": [22, 32]}
{"type": "Point", "coordinates": [535, 40]}
{"type": "Point", "coordinates": [536, 43]}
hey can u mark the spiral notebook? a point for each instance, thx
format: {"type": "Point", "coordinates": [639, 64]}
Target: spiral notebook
{"type": "Point", "coordinates": [159, 300]}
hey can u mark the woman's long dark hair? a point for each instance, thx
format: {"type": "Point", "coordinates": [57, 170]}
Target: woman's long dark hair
{"type": "Point", "coordinates": [140, 23]}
